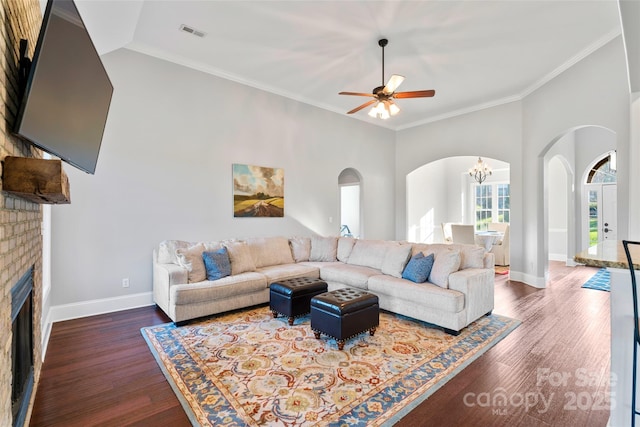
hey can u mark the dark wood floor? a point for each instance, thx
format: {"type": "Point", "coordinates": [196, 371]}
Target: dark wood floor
{"type": "Point", "coordinates": [552, 370]}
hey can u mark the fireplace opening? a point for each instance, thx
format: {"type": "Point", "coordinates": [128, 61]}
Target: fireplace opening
{"type": "Point", "coordinates": [22, 347]}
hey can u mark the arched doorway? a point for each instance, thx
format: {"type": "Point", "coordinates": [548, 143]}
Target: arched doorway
{"type": "Point", "coordinates": [350, 187]}
{"type": "Point", "coordinates": [576, 150]}
{"type": "Point", "coordinates": [443, 192]}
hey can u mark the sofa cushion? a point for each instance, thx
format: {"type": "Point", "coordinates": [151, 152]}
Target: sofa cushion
{"type": "Point", "coordinates": [227, 287]}
{"type": "Point", "coordinates": [471, 256]}
{"type": "Point", "coordinates": [396, 259]}
{"type": "Point", "coordinates": [191, 259]}
{"type": "Point", "coordinates": [276, 273]}
{"type": "Point", "coordinates": [446, 262]}
{"type": "Point", "coordinates": [217, 264]}
{"type": "Point", "coordinates": [418, 268]}
{"type": "Point", "coordinates": [323, 248]}
{"type": "Point", "coordinates": [428, 295]}
{"type": "Point", "coordinates": [270, 251]}
{"type": "Point", "coordinates": [240, 257]}
{"type": "Point", "coordinates": [345, 246]}
{"type": "Point", "coordinates": [349, 275]}
{"type": "Point", "coordinates": [300, 248]}
{"type": "Point", "coordinates": [369, 253]}
{"type": "Point", "coordinates": [167, 251]}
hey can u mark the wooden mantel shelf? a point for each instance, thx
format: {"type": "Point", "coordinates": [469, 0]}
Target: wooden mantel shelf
{"type": "Point", "coordinates": [37, 180]}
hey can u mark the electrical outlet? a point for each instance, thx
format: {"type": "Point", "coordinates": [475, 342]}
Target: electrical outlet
{"type": "Point", "coordinates": [125, 282]}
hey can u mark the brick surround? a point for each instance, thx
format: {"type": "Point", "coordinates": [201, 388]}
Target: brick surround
{"type": "Point", "coordinates": [20, 220]}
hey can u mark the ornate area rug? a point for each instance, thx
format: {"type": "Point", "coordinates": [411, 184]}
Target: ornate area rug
{"type": "Point", "coordinates": [601, 281]}
{"type": "Point", "coordinates": [246, 368]}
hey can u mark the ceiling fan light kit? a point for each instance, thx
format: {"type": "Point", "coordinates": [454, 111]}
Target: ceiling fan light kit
{"type": "Point", "coordinates": [383, 96]}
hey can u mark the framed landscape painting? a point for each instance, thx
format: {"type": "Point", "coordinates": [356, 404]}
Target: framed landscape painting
{"type": "Point", "coordinates": [258, 191]}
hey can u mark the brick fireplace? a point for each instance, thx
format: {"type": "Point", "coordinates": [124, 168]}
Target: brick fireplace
{"type": "Point", "coordinates": [20, 220]}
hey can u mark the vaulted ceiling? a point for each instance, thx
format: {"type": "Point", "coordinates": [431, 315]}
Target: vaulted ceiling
{"type": "Point", "coordinates": [473, 53]}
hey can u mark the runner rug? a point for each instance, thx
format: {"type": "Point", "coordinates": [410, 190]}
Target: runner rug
{"type": "Point", "coordinates": [246, 368]}
{"type": "Point", "coordinates": [601, 281]}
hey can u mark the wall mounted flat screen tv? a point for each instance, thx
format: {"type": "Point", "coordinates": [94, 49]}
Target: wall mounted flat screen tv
{"type": "Point", "coordinates": [68, 92]}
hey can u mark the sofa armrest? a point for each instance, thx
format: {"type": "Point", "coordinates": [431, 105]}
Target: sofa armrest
{"type": "Point", "coordinates": [164, 276]}
{"type": "Point", "coordinates": [489, 260]}
{"type": "Point", "coordinates": [477, 285]}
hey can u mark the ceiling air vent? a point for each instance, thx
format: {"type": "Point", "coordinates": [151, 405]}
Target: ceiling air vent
{"type": "Point", "coordinates": [192, 30]}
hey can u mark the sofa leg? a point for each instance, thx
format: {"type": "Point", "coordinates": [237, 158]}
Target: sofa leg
{"type": "Point", "coordinates": [489, 313]}
{"type": "Point", "coordinates": [451, 332]}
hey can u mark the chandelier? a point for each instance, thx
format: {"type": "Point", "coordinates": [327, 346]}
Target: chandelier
{"type": "Point", "coordinates": [480, 171]}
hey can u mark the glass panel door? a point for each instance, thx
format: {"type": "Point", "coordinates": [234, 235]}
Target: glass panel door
{"type": "Point", "coordinates": [593, 217]}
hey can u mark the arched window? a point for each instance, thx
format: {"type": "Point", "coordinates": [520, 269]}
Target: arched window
{"type": "Point", "coordinates": [604, 170]}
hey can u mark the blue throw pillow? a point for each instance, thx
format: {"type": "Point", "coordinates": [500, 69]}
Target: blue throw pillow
{"type": "Point", "coordinates": [418, 268]}
{"type": "Point", "coordinates": [217, 264]}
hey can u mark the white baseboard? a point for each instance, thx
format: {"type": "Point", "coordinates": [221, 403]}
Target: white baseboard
{"type": "Point", "coordinates": [558, 257]}
{"type": "Point", "coordinates": [94, 307]}
{"type": "Point", "coordinates": [536, 282]}
{"type": "Point", "coordinates": [46, 333]}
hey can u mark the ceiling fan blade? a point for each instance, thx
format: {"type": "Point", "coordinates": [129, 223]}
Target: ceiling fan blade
{"type": "Point", "coordinates": [366, 104]}
{"type": "Point", "coordinates": [415, 94]}
{"type": "Point", "coordinates": [355, 93]}
{"type": "Point", "coordinates": [393, 83]}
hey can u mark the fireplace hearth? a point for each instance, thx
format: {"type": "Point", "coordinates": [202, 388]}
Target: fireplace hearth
{"type": "Point", "coordinates": [22, 347]}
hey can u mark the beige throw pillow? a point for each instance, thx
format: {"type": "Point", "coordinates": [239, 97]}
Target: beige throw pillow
{"type": "Point", "coordinates": [240, 257]}
{"type": "Point", "coordinates": [300, 248]}
{"type": "Point", "coordinates": [191, 259]}
{"type": "Point", "coordinates": [471, 256]}
{"type": "Point", "coordinates": [267, 251]}
{"type": "Point", "coordinates": [323, 248]}
{"type": "Point", "coordinates": [369, 253]}
{"type": "Point", "coordinates": [446, 262]}
{"type": "Point", "coordinates": [396, 259]}
{"type": "Point", "coordinates": [345, 246]}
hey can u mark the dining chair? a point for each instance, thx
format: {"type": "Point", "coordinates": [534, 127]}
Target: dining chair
{"type": "Point", "coordinates": [464, 234]}
{"type": "Point", "coordinates": [501, 248]}
{"type": "Point", "coordinates": [636, 332]}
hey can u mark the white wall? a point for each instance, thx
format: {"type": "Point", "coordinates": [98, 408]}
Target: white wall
{"type": "Point", "coordinates": [428, 208]}
{"type": "Point", "coordinates": [558, 196]}
{"type": "Point", "coordinates": [164, 172]}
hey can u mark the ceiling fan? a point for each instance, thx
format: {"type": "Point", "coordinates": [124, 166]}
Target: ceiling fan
{"type": "Point", "coordinates": [384, 95]}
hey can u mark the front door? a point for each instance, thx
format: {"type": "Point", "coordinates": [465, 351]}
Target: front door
{"type": "Point", "coordinates": [608, 224]}
{"type": "Point", "coordinates": [602, 212]}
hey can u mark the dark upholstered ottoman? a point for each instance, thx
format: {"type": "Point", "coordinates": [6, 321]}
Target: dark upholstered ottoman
{"type": "Point", "coordinates": [292, 297]}
{"type": "Point", "coordinates": [344, 313]}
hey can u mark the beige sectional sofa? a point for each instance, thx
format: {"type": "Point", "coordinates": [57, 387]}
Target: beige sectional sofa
{"type": "Point", "coordinates": [459, 289]}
